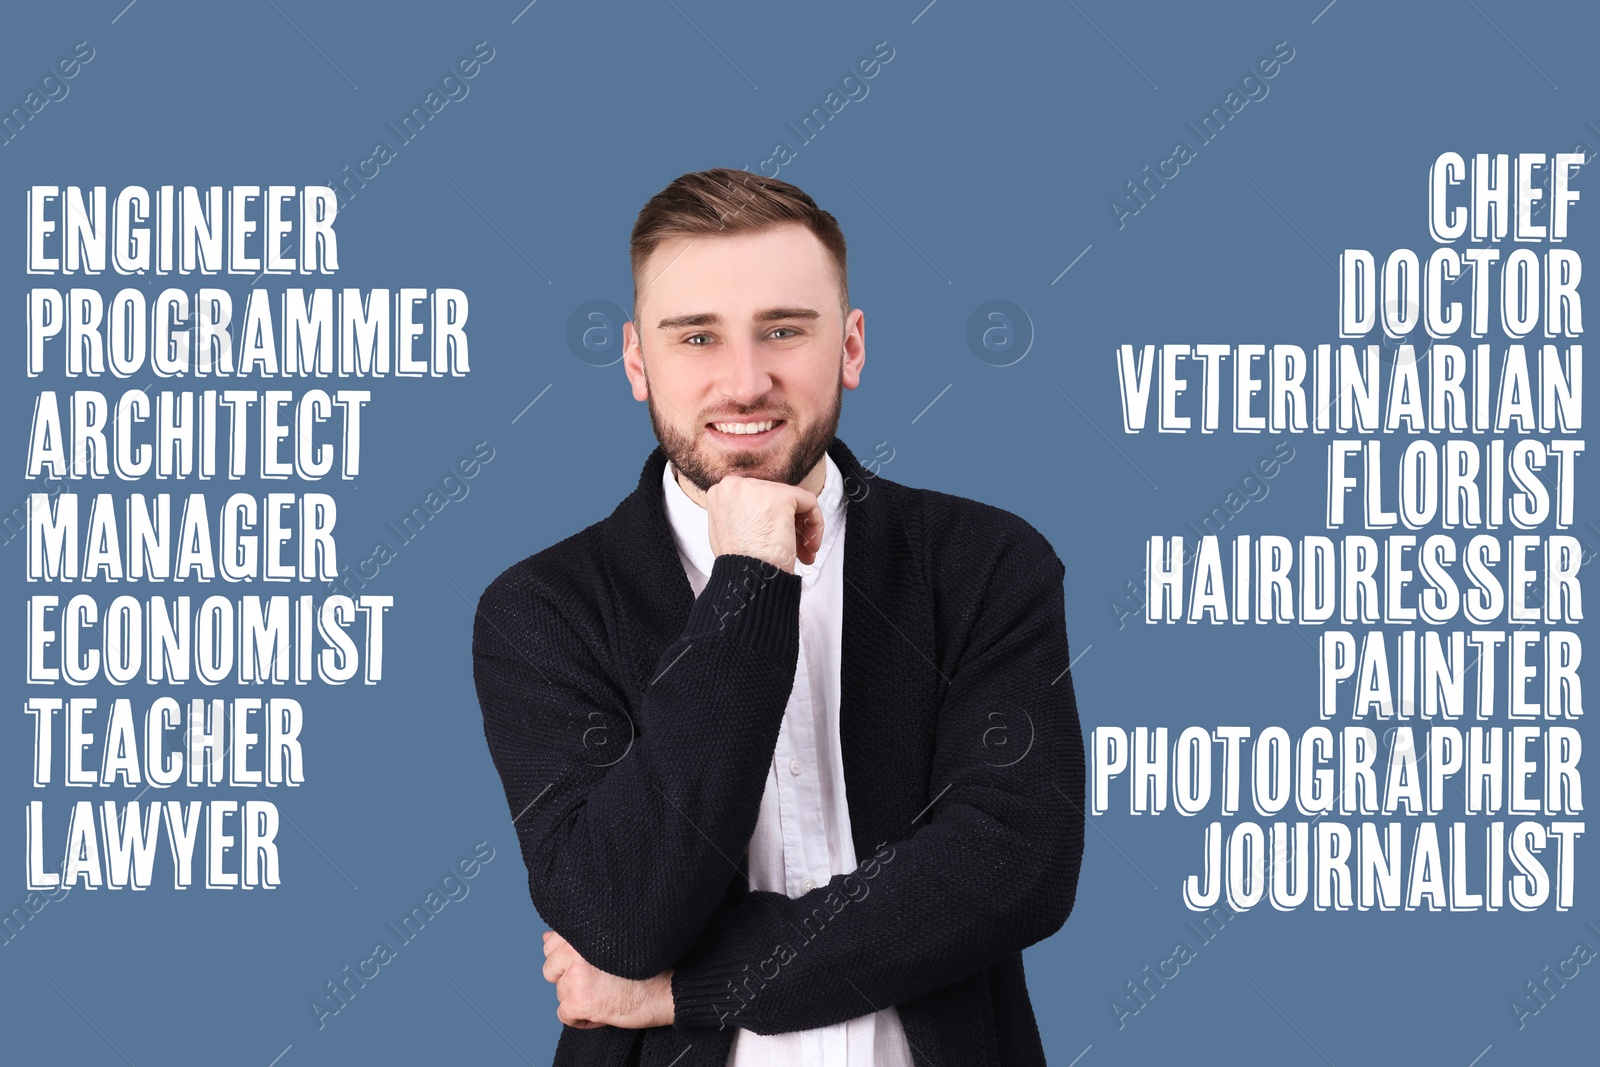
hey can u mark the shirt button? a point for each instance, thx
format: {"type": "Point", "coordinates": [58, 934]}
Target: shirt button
{"type": "Point", "coordinates": [795, 766]}
{"type": "Point", "coordinates": [808, 885]}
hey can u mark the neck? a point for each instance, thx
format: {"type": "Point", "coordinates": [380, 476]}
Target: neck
{"type": "Point", "coordinates": [813, 482]}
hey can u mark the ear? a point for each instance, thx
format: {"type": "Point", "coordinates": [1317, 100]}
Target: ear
{"type": "Point", "coordinates": [855, 348]}
{"type": "Point", "coordinates": [633, 361]}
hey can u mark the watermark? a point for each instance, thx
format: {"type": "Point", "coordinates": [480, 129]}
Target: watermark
{"type": "Point", "coordinates": [858, 488]}
{"type": "Point", "coordinates": [14, 521]}
{"type": "Point", "coordinates": [752, 580]}
{"type": "Point", "coordinates": [830, 901]}
{"type": "Point", "coordinates": [999, 332]}
{"type": "Point", "coordinates": [452, 88]}
{"type": "Point", "coordinates": [1541, 992]}
{"type": "Point", "coordinates": [594, 332]}
{"type": "Point", "coordinates": [15, 920]}
{"type": "Point", "coordinates": [53, 89]}
{"type": "Point", "coordinates": [452, 487]}
{"type": "Point", "coordinates": [1538, 207]}
{"type": "Point", "coordinates": [1000, 741]}
{"type": "Point", "coordinates": [452, 888]}
{"type": "Point", "coordinates": [1141, 991]}
{"type": "Point", "coordinates": [1252, 488]}
{"type": "Point", "coordinates": [853, 88]}
{"type": "Point", "coordinates": [1253, 88]}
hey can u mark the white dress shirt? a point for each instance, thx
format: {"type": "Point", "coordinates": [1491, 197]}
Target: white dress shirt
{"type": "Point", "coordinates": [802, 836]}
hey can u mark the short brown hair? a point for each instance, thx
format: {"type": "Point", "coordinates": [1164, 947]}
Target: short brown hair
{"type": "Point", "coordinates": [721, 202]}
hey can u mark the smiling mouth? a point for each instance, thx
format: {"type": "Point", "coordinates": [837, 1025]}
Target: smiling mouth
{"type": "Point", "coordinates": [745, 433]}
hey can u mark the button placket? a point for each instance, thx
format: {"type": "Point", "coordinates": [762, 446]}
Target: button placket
{"type": "Point", "coordinates": [788, 802]}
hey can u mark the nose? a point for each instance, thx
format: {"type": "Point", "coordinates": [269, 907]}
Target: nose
{"type": "Point", "coordinates": [745, 378]}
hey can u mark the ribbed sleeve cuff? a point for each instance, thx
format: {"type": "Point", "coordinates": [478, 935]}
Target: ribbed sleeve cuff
{"type": "Point", "coordinates": [716, 983]}
{"type": "Point", "coordinates": [750, 601]}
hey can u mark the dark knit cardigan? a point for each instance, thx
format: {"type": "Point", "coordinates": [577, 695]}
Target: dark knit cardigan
{"type": "Point", "coordinates": [633, 724]}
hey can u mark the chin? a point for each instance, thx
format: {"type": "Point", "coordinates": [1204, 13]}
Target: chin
{"type": "Point", "coordinates": [764, 467]}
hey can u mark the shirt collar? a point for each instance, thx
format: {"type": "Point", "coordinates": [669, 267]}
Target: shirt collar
{"type": "Point", "coordinates": [691, 527]}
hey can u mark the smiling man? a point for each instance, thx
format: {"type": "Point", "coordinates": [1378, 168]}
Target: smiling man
{"type": "Point", "coordinates": [790, 749]}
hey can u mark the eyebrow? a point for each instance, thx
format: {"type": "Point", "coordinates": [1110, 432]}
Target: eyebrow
{"type": "Point", "coordinates": [711, 318]}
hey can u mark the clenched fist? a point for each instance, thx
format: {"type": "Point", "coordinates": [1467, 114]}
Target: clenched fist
{"type": "Point", "coordinates": [589, 997]}
{"type": "Point", "coordinates": [771, 521]}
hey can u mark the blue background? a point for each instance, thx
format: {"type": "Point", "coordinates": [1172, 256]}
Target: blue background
{"type": "Point", "coordinates": [978, 167]}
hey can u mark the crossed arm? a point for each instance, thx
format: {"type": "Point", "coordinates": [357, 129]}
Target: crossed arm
{"type": "Point", "coordinates": [630, 831]}
{"type": "Point", "coordinates": [991, 868]}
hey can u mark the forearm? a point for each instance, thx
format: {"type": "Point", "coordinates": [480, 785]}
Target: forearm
{"type": "Point", "coordinates": [993, 869]}
{"type": "Point", "coordinates": [920, 914]}
{"type": "Point", "coordinates": [672, 792]}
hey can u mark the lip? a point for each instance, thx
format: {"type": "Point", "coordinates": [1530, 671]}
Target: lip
{"type": "Point", "coordinates": [745, 440]}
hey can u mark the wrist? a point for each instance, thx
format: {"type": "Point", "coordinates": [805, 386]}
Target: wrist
{"type": "Point", "coordinates": [662, 999]}
{"type": "Point", "coordinates": [750, 602]}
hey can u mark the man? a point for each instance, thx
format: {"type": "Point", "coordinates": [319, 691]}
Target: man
{"type": "Point", "coordinates": [791, 750]}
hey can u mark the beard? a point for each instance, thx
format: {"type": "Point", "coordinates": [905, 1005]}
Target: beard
{"type": "Point", "coordinates": [694, 458]}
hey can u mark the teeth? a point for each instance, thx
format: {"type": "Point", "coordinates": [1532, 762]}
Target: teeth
{"type": "Point", "coordinates": [745, 427]}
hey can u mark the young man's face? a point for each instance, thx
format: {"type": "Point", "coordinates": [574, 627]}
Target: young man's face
{"type": "Point", "coordinates": [743, 329]}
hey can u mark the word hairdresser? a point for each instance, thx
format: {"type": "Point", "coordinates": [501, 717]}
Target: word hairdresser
{"type": "Point", "coordinates": [167, 627]}
{"type": "Point", "coordinates": [1440, 601]}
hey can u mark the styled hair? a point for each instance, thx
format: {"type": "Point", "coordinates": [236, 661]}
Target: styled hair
{"type": "Point", "coordinates": [722, 202]}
